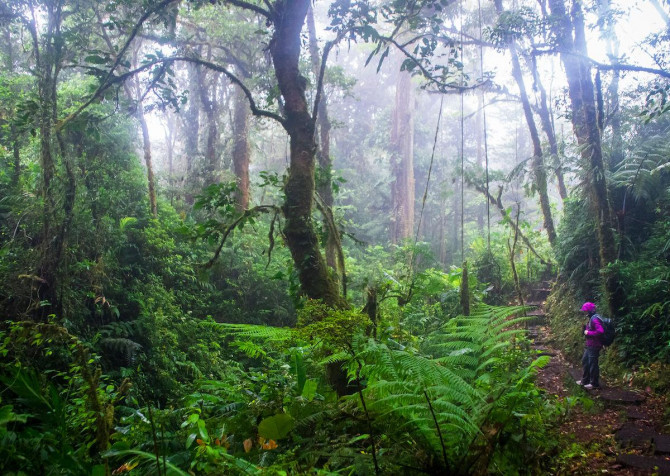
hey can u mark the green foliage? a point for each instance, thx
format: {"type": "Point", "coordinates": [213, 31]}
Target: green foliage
{"type": "Point", "coordinates": [60, 419]}
{"type": "Point", "coordinates": [334, 328]}
{"type": "Point", "coordinates": [469, 375]}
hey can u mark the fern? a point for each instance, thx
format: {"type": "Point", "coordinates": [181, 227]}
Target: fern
{"type": "Point", "coordinates": [440, 395]}
{"type": "Point", "coordinates": [267, 333]}
{"type": "Point", "coordinates": [127, 348]}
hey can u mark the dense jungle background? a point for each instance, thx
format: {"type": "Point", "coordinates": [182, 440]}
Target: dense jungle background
{"type": "Point", "coordinates": [293, 237]}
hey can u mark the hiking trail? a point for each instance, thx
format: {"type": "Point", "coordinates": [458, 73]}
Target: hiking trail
{"type": "Point", "coordinates": [622, 434]}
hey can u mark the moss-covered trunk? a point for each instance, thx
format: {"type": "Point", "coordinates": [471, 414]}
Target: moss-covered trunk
{"type": "Point", "coordinates": [301, 238]}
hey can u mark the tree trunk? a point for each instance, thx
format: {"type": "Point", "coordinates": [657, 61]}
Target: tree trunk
{"type": "Point", "coordinates": [146, 140]}
{"type": "Point", "coordinates": [537, 162]}
{"type": "Point", "coordinates": [170, 142]}
{"type": "Point", "coordinates": [47, 79]}
{"type": "Point", "coordinates": [146, 146]}
{"type": "Point", "coordinates": [299, 230]}
{"type": "Point", "coordinates": [585, 125]}
{"type": "Point", "coordinates": [191, 129]}
{"type": "Point", "coordinates": [241, 150]}
{"type": "Point", "coordinates": [481, 159]}
{"type": "Point", "coordinates": [465, 290]}
{"type": "Point", "coordinates": [455, 225]}
{"type": "Point", "coordinates": [548, 128]}
{"type": "Point", "coordinates": [402, 160]}
{"type": "Point", "coordinates": [325, 177]}
{"type": "Point", "coordinates": [210, 106]}
{"type": "Point", "coordinates": [612, 47]}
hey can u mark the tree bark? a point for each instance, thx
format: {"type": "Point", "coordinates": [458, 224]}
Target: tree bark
{"type": "Point", "coordinates": [299, 230]}
{"type": "Point", "coordinates": [241, 150]}
{"type": "Point", "coordinates": [569, 31]}
{"type": "Point", "coordinates": [46, 70]}
{"type": "Point", "coordinates": [402, 160]}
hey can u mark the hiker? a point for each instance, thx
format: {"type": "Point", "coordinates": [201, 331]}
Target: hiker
{"type": "Point", "coordinates": [593, 334]}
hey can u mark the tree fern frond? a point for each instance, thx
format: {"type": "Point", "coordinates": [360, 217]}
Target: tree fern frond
{"type": "Point", "coordinates": [251, 349]}
{"type": "Point", "coordinates": [259, 332]}
{"type": "Point", "coordinates": [122, 346]}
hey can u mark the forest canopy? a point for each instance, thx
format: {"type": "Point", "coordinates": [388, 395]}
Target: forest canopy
{"type": "Point", "coordinates": [295, 237]}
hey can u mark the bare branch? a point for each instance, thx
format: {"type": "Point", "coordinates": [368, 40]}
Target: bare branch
{"type": "Point", "coordinates": [250, 6]}
{"type": "Point", "coordinates": [233, 78]}
{"type": "Point", "coordinates": [606, 67]}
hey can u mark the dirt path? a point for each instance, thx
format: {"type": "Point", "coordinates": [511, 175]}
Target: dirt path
{"type": "Point", "coordinates": [622, 431]}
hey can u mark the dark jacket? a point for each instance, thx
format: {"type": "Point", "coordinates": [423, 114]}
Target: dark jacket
{"type": "Point", "coordinates": [595, 332]}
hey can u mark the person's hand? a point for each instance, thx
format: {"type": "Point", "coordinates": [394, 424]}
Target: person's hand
{"type": "Point", "coordinates": [586, 332]}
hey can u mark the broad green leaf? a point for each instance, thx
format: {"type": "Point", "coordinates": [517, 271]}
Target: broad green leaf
{"type": "Point", "coordinates": [276, 427]}
{"type": "Point", "coordinates": [309, 390]}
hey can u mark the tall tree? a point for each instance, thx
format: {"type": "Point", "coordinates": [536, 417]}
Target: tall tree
{"type": "Point", "coordinates": [191, 128]}
{"type": "Point", "coordinates": [537, 162]}
{"type": "Point", "coordinates": [135, 92]}
{"type": "Point", "coordinates": [571, 39]}
{"type": "Point", "coordinates": [402, 159]}
{"type": "Point", "coordinates": [285, 48]}
{"type": "Point", "coordinates": [241, 149]}
{"type": "Point", "coordinates": [207, 85]}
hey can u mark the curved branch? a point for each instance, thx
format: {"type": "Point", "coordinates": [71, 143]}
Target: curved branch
{"type": "Point", "coordinates": [250, 6]}
{"type": "Point", "coordinates": [322, 72]}
{"type": "Point", "coordinates": [165, 61]}
{"type": "Point", "coordinates": [233, 225]}
{"type": "Point", "coordinates": [606, 67]}
{"type": "Point", "coordinates": [427, 74]}
{"type": "Point", "coordinates": [234, 79]}
{"type": "Point", "coordinates": [497, 202]}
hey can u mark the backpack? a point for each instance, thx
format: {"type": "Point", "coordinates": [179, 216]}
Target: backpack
{"type": "Point", "coordinates": [608, 327]}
